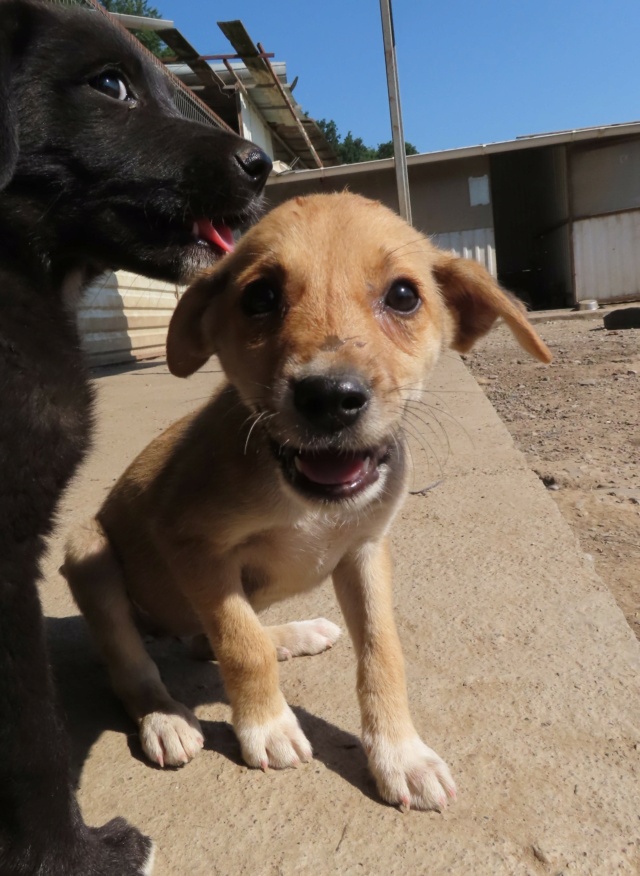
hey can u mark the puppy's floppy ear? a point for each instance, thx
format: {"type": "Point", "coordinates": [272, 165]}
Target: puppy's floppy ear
{"type": "Point", "coordinates": [189, 344]}
{"type": "Point", "coordinates": [15, 28]}
{"type": "Point", "coordinates": [475, 301]}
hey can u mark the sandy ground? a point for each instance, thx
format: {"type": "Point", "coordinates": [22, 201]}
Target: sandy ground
{"type": "Point", "coordinates": [522, 673]}
{"type": "Point", "coordinates": [578, 425]}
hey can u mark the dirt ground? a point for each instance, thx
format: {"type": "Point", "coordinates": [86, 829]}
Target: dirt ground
{"type": "Point", "coordinates": [577, 422]}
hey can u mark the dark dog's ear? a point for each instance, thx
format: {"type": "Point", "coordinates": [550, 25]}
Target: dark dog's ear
{"type": "Point", "coordinates": [15, 28]}
{"type": "Point", "coordinates": [189, 344]}
{"type": "Point", "coordinates": [475, 301]}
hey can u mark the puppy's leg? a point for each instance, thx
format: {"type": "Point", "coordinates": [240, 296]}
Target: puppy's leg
{"type": "Point", "coordinates": [169, 733]}
{"type": "Point", "coordinates": [407, 772]}
{"type": "Point", "coordinates": [267, 729]}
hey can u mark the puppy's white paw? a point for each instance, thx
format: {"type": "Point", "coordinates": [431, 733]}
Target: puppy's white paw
{"type": "Point", "coordinates": [171, 739]}
{"type": "Point", "coordinates": [278, 743]}
{"type": "Point", "coordinates": [306, 638]}
{"type": "Point", "coordinates": [410, 774]}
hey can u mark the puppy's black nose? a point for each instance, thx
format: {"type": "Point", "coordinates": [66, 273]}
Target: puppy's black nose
{"type": "Point", "coordinates": [330, 403]}
{"type": "Point", "coordinates": [255, 163]}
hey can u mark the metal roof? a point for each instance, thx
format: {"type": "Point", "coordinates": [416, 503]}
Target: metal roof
{"type": "Point", "coordinates": [530, 141]}
{"type": "Point", "coordinates": [297, 139]}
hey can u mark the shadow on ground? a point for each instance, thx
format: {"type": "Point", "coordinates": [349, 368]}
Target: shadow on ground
{"type": "Point", "coordinates": [91, 708]}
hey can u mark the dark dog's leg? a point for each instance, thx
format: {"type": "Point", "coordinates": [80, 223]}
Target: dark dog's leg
{"type": "Point", "coordinates": [41, 829]}
{"type": "Point", "coordinates": [44, 424]}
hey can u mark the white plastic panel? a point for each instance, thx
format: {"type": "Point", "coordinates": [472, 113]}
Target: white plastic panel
{"type": "Point", "coordinates": [606, 256]}
{"type": "Point", "coordinates": [476, 243]}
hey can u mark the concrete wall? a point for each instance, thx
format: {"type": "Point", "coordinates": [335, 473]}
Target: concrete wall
{"type": "Point", "coordinates": [440, 200]}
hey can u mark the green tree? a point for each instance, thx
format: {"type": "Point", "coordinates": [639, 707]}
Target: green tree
{"type": "Point", "coordinates": [352, 149]}
{"type": "Point", "coordinates": [330, 131]}
{"type": "Point", "coordinates": [148, 38]}
{"type": "Point", "coordinates": [385, 150]}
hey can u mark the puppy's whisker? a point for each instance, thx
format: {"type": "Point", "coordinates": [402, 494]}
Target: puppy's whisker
{"type": "Point", "coordinates": [417, 413]}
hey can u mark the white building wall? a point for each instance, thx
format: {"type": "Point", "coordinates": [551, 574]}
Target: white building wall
{"type": "Point", "coordinates": [124, 316]}
{"type": "Point", "coordinates": [476, 243]}
{"type": "Point", "coordinates": [254, 127]}
{"type": "Point", "coordinates": [606, 257]}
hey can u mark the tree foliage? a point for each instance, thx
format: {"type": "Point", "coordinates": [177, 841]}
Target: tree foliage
{"type": "Point", "coordinates": [352, 149]}
{"type": "Point", "coordinates": [148, 38]}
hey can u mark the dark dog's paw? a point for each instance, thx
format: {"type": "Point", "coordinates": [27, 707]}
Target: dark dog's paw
{"type": "Point", "coordinates": [115, 849]}
{"type": "Point", "coordinates": [120, 850]}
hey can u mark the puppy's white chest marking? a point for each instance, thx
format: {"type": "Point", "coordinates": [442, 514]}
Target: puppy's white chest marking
{"type": "Point", "coordinates": [282, 562]}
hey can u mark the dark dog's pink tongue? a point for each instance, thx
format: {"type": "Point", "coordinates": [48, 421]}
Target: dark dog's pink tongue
{"type": "Point", "coordinates": [220, 235]}
{"type": "Point", "coordinates": [330, 468]}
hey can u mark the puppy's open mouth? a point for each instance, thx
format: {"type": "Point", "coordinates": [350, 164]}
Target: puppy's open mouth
{"type": "Point", "coordinates": [331, 474]}
{"type": "Point", "coordinates": [216, 237]}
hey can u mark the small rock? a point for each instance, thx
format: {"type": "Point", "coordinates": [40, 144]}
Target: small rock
{"type": "Point", "coordinates": [540, 854]}
{"type": "Point", "coordinates": [587, 383]}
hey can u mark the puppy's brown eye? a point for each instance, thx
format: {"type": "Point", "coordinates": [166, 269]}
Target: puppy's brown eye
{"type": "Point", "coordinates": [402, 297]}
{"type": "Point", "coordinates": [260, 298]}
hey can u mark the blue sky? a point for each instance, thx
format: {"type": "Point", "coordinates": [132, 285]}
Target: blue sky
{"type": "Point", "coordinates": [470, 72]}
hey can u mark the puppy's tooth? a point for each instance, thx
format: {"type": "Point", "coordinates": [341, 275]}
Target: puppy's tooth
{"type": "Point", "coordinates": [297, 463]}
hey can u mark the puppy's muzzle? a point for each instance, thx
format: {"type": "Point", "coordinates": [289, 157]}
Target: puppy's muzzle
{"type": "Point", "coordinates": [330, 404]}
{"type": "Point", "coordinates": [330, 463]}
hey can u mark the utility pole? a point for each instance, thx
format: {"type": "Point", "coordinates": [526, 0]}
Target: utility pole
{"type": "Point", "coordinates": [402, 177]}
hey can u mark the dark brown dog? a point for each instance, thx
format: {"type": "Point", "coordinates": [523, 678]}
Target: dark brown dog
{"type": "Point", "coordinates": [97, 170]}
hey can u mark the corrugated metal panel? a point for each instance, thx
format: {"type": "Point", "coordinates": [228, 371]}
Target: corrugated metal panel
{"type": "Point", "coordinates": [123, 316]}
{"type": "Point", "coordinates": [476, 243]}
{"type": "Point", "coordinates": [606, 254]}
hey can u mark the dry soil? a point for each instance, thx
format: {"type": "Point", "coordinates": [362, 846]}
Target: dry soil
{"type": "Point", "coordinates": [577, 422]}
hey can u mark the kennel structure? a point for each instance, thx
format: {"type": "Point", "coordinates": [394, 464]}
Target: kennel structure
{"type": "Point", "coordinates": [554, 217]}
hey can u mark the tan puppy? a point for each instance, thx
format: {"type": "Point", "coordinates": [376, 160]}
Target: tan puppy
{"type": "Point", "coordinates": [327, 319]}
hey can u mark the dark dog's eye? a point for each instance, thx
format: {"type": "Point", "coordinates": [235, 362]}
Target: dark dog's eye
{"type": "Point", "coordinates": [112, 84]}
{"type": "Point", "coordinates": [402, 297]}
{"type": "Point", "coordinates": [260, 298]}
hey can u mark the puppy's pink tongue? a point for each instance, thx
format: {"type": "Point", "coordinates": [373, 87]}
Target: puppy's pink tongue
{"type": "Point", "coordinates": [331, 468]}
{"type": "Point", "coordinates": [220, 235]}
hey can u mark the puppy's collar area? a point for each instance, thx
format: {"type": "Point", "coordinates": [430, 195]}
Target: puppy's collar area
{"type": "Point", "coordinates": [330, 474]}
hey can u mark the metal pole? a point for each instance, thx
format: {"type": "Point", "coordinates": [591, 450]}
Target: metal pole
{"type": "Point", "coordinates": [402, 177]}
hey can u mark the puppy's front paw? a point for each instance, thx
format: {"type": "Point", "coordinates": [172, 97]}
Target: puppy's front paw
{"type": "Point", "coordinates": [171, 738]}
{"type": "Point", "coordinates": [277, 743]}
{"type": "Point", "coordinates": [410, 774]}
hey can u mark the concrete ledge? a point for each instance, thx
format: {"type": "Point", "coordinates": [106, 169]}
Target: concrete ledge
{"type": "Point", "coordinates": [523, 675]}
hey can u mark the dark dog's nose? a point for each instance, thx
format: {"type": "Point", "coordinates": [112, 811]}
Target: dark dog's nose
{"type": "Point", "coordinates": [255, 163]}
{"type": "Point", "coordinates": [330, 403]}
